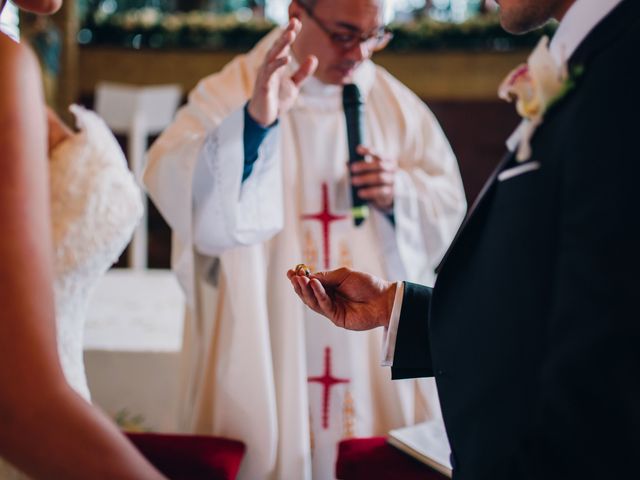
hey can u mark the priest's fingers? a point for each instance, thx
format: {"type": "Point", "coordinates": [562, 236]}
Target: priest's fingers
{"type": "Point", "coordinates": [379, 178]}
{"type": "Point", "coordinates": [372, 154]}
{"type": "Point", "coordinates": [374, 165]}
{"type": "Point", "coordinates": [376, 193]}
{"type": "Point", "coordinates": [275, 65]}
{"type": "Point", "coordinates": [284, 42]}
{"type": "Point", "coordinates": [362, 150]}
{"type": "Point", "coordinates": [307, 69]}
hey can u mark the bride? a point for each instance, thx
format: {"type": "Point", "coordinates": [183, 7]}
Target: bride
{"type": "Point", "coordinates": [68, 205]}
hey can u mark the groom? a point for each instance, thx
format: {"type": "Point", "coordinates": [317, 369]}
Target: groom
{"type": "Point", "coordinates": [532, 330]}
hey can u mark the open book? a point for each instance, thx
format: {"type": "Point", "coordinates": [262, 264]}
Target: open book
{"type": "Point", "coordinates": [426, 442]}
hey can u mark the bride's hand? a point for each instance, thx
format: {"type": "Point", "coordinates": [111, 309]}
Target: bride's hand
{"type": "Point", "coordinates": [58, 132]}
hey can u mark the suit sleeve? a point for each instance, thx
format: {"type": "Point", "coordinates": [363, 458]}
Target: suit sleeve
{"type": "Point", "coordinates": [412, 356]}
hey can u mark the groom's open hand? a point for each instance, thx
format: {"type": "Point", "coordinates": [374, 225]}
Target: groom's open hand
{"type": "Point", "coordinates": [350, 299]}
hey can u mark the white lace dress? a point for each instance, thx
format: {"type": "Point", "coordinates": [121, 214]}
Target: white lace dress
{"type": "Point", "coordinates": [95, 205]}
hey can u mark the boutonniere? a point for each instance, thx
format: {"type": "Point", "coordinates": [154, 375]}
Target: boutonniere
{"type": "Point", "coordinates": [535, 86]}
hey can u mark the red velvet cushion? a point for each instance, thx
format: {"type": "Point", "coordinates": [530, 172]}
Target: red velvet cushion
{"type": "Point", "coordinates": [190, 457]}
{"type": "Point", "coordinates": [374, 459]}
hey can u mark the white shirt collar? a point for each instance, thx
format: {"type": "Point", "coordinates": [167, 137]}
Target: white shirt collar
{"type": "Point", "coordinates": [321, 96]}
{"type": "Point", "coordinates": [577, 23]}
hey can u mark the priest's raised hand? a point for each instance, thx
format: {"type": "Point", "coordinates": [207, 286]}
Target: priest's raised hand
{"type": "Point", "coordinates": [350, 299]}
{"type": "Point", "coordinates": [275, 90]}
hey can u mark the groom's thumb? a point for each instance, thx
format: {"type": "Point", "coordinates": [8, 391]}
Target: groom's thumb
{"type": "Point", "coordinates": [332, 278]}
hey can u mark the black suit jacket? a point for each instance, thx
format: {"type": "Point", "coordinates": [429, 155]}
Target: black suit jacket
{"type": "Point", "coordinates": [533, 328]}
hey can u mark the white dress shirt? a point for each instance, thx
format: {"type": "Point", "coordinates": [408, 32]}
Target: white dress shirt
{"type": "Point", "coordinates": [577, 23]}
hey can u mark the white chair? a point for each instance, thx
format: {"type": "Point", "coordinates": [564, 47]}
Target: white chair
{"type": "Point", "coordinates": [134, 322]}
{"type": "Point", "coordinates": [137, 111]}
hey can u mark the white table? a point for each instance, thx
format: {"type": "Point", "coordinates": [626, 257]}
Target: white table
{"type": "Point", "coordinates": [132, 344]}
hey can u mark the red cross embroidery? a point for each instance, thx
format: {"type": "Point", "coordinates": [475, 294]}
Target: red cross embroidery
{"type": "Point", "coordinates": [326, 218]}
{"type": "Point", "coordinates": [327, 380]}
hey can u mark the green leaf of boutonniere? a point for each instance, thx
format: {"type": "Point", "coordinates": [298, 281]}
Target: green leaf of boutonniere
{"type": "Point", "coordinates": [569, 85]}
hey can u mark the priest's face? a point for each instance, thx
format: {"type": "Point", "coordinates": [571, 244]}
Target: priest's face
{"type": "Point", "coordinates": [520, 16]}
{"type": "Point", "coordinates": [340, 33]}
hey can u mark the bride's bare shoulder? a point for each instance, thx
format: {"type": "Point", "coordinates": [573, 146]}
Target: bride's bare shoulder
{"type": "Point", "coordinates": [20, 85]}
{"type": "Point", "coordinates": [17, 62]}
{"type": "Point", "coordinates": [22, 115]}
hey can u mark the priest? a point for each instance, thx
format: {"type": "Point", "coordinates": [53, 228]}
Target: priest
{"type": "Point", "coordinates": [252, 177]}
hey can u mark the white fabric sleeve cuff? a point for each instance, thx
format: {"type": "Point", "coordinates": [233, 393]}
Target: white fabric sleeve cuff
{"type": "Point", "coordinates": [390, 333]}
{"type": "Point", "coordinates": [227, 211]}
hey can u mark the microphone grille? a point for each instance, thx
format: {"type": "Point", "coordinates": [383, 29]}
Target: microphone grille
{"type": "Point", "coordinates": [351, 94]}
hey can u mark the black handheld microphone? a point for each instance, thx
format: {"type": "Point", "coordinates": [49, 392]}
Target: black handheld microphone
{"type": "Point", "coordinates": [354, 113]}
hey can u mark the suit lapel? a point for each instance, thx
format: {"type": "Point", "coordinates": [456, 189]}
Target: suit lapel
{"type": "Point", "coordinates": [476, 204]}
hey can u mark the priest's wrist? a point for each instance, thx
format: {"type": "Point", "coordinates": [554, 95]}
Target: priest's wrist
{"type": "Point", "coordinates": [259, 117]}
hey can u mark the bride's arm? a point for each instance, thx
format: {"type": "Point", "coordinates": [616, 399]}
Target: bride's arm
{"type": "Point", "coordinates": [45, 428]}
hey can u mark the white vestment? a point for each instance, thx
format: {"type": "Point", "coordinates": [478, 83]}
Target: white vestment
{"type": "Point", "coordinates": [259, 366]}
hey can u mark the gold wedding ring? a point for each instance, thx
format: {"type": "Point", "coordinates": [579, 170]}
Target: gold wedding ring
{"type": "Point", "coordinates": [302, 270]}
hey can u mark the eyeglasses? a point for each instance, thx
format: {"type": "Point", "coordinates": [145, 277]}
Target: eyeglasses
{"type": "Point", "coordinates": [374, 42]}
